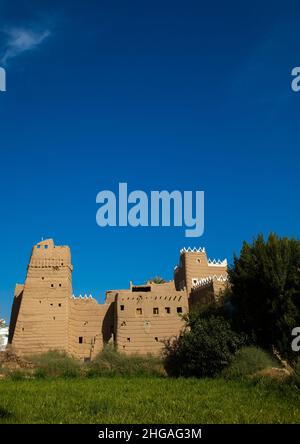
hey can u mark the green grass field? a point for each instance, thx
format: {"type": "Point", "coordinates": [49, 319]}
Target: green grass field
{"type": "Point", "coordinates": [147, 400]}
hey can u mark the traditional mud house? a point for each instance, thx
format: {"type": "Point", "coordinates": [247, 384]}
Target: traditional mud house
{"type": "Point", "coordinates": [46, 315]}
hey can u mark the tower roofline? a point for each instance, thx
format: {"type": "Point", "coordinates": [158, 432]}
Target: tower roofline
{"type": "Point", "coordinates": [192, 250]}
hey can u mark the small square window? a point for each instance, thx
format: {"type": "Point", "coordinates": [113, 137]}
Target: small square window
{"type": "Point", "coordinates": [60, 285]}
{"type": "Point", "coordinates": [155, 311]}
{"type": "Point", "coordinates": [179, 309]}
{"type": "Point", "coordinates": [52, 285]}
{"type": "Point", "coordinates": [156, 339]}
{"type": "Point", "coordinates": [45, 246]}
{"type": "Point", "coordinates": [38, 246]}
{"type": "Point", "coordinates": [122, 307]}
{"type": "Point", "coordinates": [80, 340]}
{"type": "Point", "coordinates": [167, 310]}
{"type": "Point", "coordinates": [59, 305]}
{"type": "Point", "coordinates": [128, 339]}
{"type": "Point", "coordinates": [139, 311]}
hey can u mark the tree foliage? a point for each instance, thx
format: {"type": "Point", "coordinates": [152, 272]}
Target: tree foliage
{"type": "Point", "coordinates": [158, 280]}
{"type": "Point", "coordinates": [205, 348]}
{"type": "Point", "coordinates": [265, 291]}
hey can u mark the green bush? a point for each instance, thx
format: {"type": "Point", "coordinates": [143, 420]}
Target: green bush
{"type": "Point", "coordinates": [55, 363]}
{"type": "Point", "coordinates": [110, 362]}
{"type": "Point", "coordinates": [204, 349]}
{"type": "Point", "coordinates": [40, 373]}
{"type": "Point", "coordinates": [17, 375]}
{"type": "Point", "coordinates": [248, 361]}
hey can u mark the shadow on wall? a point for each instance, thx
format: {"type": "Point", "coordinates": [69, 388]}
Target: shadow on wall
{"type": "Point", "coordinates": [108, 324]}
{"type": "Point", "coordinates": [14, 314]}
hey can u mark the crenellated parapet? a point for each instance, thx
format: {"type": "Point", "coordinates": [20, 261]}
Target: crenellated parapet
{"type": "Point", "coordinates": [84, 297]}
{"type": "Point", "coordinates": [217, 263]}
{"type": "Point", "coordinates": [192, 250]}
{"type": "Point", "coordinates": [207, 280]}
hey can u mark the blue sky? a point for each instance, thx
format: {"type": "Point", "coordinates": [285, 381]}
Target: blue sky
{"type": "Point", "coordinates": [158, 94]}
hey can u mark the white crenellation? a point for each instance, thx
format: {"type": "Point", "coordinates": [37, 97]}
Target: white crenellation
{"type": "Point", "coordinates": [82, 297]}
{"type": "Point", "coordinates": [192, 250]}
{"type": "Point", "coordinates": [205, 281]}
{"type": "Point", "coordinates": [217, 263]}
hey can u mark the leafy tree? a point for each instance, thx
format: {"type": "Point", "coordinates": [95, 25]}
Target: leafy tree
{"type": "Point", "coordinates": [158, 280]}
{"type": "Point", "coordinates": [265, 291]}
{"type": "Point", "coordinates": [205, 348]}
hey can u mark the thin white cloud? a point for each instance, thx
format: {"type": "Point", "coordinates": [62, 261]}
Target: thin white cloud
{"type": "Point", "coordinates": [21, 40]}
